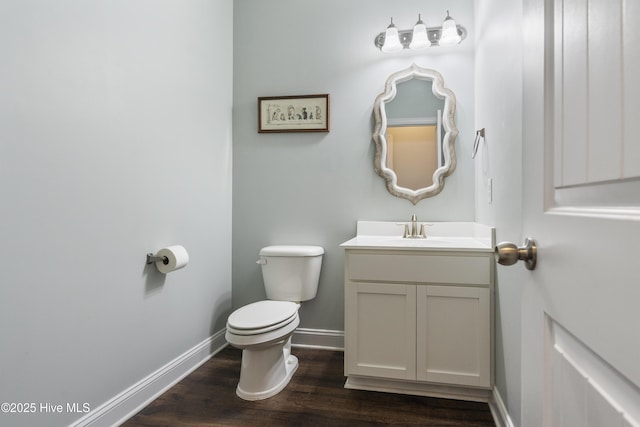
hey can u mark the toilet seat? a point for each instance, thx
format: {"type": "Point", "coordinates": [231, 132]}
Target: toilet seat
{"type": "Point", "coordinates": [261, 317]}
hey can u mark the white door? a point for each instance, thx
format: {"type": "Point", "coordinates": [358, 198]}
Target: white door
{"type": "Point", "coordinates": [581, 135]}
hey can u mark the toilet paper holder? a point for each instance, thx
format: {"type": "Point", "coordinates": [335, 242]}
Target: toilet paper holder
{"type": "Point", "coordinates": [151, 258]}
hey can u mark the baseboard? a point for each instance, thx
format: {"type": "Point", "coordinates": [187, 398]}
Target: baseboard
{"type": "Point", "coordinates": [499, 410]}
{"type": "Point", "coordinates": [417, 388]}
{"type": "Point", "coordinates": [323, 339]}
{"type": "Point", "coordinates": [126, 404]}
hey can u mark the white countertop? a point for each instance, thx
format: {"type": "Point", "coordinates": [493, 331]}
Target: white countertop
{"type": "Point", "coordinates": [448, 236]}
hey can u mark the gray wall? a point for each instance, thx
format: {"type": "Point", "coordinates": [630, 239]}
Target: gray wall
{"type": "Point", "coordinates": [499, 109]}
{"type": "Point", "coordinates": [312, 188]}
{"type": "Point", "coordinates": [115, 121]}
{"type": "Point", "coordinates": [116, 141]}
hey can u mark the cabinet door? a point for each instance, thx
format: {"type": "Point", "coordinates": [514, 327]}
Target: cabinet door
{"type": "Point", "coordinates": [380, 338]}
{"type": "Point", "coordinates": [454, 335]}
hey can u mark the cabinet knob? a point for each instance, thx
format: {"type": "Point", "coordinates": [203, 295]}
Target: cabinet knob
{"type": "Point", "coordinates": [507, 253]}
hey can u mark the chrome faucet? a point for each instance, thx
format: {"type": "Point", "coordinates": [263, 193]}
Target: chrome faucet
{"type": "Point", "coordinates": [411, 229]}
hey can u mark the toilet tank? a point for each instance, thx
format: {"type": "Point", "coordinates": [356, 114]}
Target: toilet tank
{"type": "Point", "coordinates": [291, 273]}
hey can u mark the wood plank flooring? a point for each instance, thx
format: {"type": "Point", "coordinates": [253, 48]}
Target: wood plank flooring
{"type": "Point", "coordinates": [314, 397]}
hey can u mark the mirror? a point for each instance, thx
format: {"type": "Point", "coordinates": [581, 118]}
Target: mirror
{"type": "Point", "coordinates": [415, 132]}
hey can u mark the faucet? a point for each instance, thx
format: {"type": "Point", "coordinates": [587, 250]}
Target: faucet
{"type": "Point", "coordinates": [414, 226]}
{"type": "Point", "coordinates": [411, 229]}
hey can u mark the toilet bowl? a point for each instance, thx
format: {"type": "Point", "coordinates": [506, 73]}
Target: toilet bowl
{"type": "Point", "coordinates": [263, 329]}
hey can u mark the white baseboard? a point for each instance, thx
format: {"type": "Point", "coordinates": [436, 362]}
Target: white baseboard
{"type": "Point", "coordinates": [324, 339]}
{"type": "Point", "coordinates": [499, 410]}
{"type": "Point", "coordinates": [417, 388]}
{"type": "Point", "coordinates": [126, 404]}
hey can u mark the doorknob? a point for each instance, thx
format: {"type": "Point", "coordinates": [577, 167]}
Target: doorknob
{"type": "Point", "coordinates": [508, 254]}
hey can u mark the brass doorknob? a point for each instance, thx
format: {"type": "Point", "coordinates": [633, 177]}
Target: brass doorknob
{"type": "Point", "coordinates": [508, 254]}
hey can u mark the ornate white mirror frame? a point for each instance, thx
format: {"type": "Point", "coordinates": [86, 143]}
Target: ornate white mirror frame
{"type": "Point", "coordinates": [448, 124]}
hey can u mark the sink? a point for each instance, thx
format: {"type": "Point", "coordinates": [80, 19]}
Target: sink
{"type": "Point", "coordinates": [440, 235]}
{"type": "Point", "coordinates": [422, 242]}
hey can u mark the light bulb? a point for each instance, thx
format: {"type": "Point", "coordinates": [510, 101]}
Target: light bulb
{"type": "Point", "coordinates": [420, 38]}
{"type": "Point", "coordinates": [391, 39]}
{"type": "Point", "coordinates": [449, 35]}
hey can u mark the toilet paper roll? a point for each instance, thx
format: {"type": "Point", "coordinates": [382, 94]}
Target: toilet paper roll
{"type": "Point", "coordinates": [175, 256]}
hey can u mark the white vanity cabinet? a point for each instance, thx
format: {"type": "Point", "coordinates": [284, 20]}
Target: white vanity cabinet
{"type": "Point", "coordinates": [419, 320]}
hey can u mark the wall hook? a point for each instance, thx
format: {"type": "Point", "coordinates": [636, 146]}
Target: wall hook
{"type": "Point", "coordinates": [476, 143]}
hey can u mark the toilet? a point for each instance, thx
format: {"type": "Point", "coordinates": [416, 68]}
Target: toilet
{"type": "Point", "coordinates": [263, 329]}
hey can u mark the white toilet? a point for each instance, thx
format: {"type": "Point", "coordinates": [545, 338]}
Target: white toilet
{"type": "Point", "coordinates": [263, 329]}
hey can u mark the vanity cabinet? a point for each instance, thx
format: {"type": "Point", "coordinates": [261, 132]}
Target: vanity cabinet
{"type": "Point", "coordinates": [419, 321]}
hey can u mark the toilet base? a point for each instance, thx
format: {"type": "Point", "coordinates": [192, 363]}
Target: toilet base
{"type": "Point", "coordinates": [266, 371]}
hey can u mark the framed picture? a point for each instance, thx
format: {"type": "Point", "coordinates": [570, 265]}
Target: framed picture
{"type": "Point", "coordinates": [303, 113]}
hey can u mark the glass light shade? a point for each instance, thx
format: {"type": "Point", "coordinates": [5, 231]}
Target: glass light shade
{"type": "Point", "coordinates": [420, 38]}
{"type": "Point", "coordinates": [391, 39]}
{"type": "Point", "coordinates": [449, 35]}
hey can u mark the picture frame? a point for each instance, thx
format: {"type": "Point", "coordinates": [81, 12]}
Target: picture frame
{"type": "Point", "coordinates": [298, 113]}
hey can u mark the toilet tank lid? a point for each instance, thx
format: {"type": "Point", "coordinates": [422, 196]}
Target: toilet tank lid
{"type": "Point", "coordinates": [292, 250]}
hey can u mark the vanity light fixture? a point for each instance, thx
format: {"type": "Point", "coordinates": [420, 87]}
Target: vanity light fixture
{"type": "Point", "coordinates": [421, 36]}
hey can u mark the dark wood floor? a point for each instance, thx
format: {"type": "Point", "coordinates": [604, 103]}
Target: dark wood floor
{"type": "Point", "coordinates": [314, 397]}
